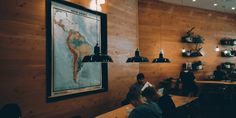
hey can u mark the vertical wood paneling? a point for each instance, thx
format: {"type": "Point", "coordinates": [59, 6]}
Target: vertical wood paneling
{"type": "Point", "coordinates": [22, 59]}
{"type": "Point", "coordinates": [161, 25]}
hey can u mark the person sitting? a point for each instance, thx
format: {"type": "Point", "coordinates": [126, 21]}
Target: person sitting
{"type": "Point", "coordinates": [139, 84]}
{"type": "Point", "coordinates": [219, 74]}
{"type": "Point", "coordinates": [136, 87]}
{"type": "Point", "coordinates": [165, 102]}
{"type": "Point", "coordinates": [143, 109]}
{"type": "Point", "coordinates": [150, 94]}
{"type": "Point", "coordinates": [189, 87]}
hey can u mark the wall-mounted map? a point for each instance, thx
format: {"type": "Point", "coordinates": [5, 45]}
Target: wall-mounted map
{"type": "Point", "coordinates": [74, 33]}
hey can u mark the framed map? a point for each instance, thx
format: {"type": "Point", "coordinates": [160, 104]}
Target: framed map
{"type": "Point", "coordinates": [72, 33]}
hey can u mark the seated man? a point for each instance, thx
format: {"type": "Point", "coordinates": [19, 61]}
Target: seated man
{"type": "Point", "coordinates": [142, 109]}
{"type": "Point", "coordinates": [136, 87]}
{"type": "Point", "coordinates": [219, 74]}
{"type": "Point", "coordinates": [139, 84]}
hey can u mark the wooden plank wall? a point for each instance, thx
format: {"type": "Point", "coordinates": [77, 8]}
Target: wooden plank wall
{"type": "Point", "coordinates": [161, 25]}
{"type": "Point", "coordinates": [22, 59]}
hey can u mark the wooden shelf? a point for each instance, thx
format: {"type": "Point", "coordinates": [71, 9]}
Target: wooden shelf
{"type": "Point", "coordinates": [229, 42]}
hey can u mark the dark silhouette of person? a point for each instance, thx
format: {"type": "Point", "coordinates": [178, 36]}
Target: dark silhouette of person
{"type": "Point", "coordinates": [189, 86]}
{"type": "Point", "coordinates": [150, 94]}
{"type": "Point", "coordinates": [10, 111]}
{"type": "Point", "coordinates": [165, 102]}
{"type": "Point", "coordinates": [143, 109]}
{"type": "Point", "coordinates": [219, 74]}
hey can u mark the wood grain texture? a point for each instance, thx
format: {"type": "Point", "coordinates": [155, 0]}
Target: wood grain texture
{"type": "Point", "coordinates": [22, 59]}
{"type": "Point", "coordinates": [161, 25]}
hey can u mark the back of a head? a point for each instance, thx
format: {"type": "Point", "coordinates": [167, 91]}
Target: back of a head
{"type": "Point", "coordinates": [140, 76]}
{"type": "Point", "coordinates": [10, 111]}
{"type": "Point", "coordinates": [149, 93]}
{"type": "Point", "coordinates": [218, 67]}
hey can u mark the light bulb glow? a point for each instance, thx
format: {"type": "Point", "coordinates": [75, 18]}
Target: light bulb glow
{"type": "Point", "coordinates": [215, 4]}
{"type": "Point", "coordinates": [183, 50]}
{"type": "Point", "coordinates": [226, 51]}
{"type": "Point", "coordinates": [95, 6]}
{"type": "Point", "coordinates": [101, 2]}
{"type": "Point", "coordinates": [162, 52]}
{"type": "Point", "coordinates": [217, 49]}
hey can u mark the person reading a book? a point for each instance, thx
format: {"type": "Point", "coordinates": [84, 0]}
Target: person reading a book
{"type": "Point", "coordinates": [139, 84]}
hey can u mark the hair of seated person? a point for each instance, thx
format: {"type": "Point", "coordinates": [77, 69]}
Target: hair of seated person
{"type": "Point", "coordinates": [11, 111]}
{"type": "Point", "coordinates": [149, 92]}
{"type": "Point", "coordinates": [140, 76]}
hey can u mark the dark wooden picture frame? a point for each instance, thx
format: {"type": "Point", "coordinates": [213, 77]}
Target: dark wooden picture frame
{"type": "Point", "coordinates": [57, 57]}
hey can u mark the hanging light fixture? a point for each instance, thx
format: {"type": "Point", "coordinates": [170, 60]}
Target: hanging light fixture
{"type": "Point", "coordinates": [137, 58]}
{"type": "Point", "coordinates": [97, 56]}
{"type": "Point", "coordinates": [161, 58]}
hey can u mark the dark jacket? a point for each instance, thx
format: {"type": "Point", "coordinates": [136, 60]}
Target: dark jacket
{"type": "Point", "coordinates": [147, 110]}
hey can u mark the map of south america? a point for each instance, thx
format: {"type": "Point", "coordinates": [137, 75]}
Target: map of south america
{"type": "Point", "coordinates": [74, 34]}
{"type": "Point", "coordinates": [78, 48]}
{"type": "Point", "coordinates": [77, 45]}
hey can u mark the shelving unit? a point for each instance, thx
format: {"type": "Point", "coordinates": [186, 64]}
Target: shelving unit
{"type": "Point", "coordinates": [228, 52]}
{"type": "Point", "coordinates": [194, 66]}
{"type": "Point", "coordinates": [196, 40]}
{"type": "Point", "coordinates": [230, 69]}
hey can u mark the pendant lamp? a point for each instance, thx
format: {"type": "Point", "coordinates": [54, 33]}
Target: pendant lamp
{"type": "Point", "coordinates": [137, 58]}
{"type": "Point", "coordinates": [97, 56]}
{"type": "Point", "coordinates": [161, 58]}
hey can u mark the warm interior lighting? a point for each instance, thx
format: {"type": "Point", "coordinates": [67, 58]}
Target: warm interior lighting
{"type": "Point", "coordinates": [95, 6]}
{"type": "Point", "coordinates": [101, 2]}
{"type": "Point", "coordinates": [217, 49]}
{"type": "Point", "coordinates": [215, 4]}
{"type": "Point", "coordinates": [161, 58]}
{"type": "Point", "coordinates": [183, 50]}
{"type": "Point", "coordinates": [226, 51]}
{"type": "Point", "coordinates": [97, 56]}
{"type": "Point", "coordinates": [137, 58]}
{"type": "Point", "coordinates": [233, 8]}
{"type": "Point", "coordinates": [194, 0]}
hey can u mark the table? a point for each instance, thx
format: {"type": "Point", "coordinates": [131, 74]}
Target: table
{"type": "Point", "coordinates": [122, 112]}
{"type": "Point", "coordinates": [215, 82]}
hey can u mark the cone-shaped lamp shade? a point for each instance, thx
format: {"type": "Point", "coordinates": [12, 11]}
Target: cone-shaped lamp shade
{"type": "Point", "coordinates": [137, 58]}
{"type": "Point", "coordinates": [161, 59]}
{"type": "Point", "coordinates": [97, 57]}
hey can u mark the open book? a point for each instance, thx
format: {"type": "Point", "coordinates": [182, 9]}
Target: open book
{"type": "Point", "coordinates": [147, 84]}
